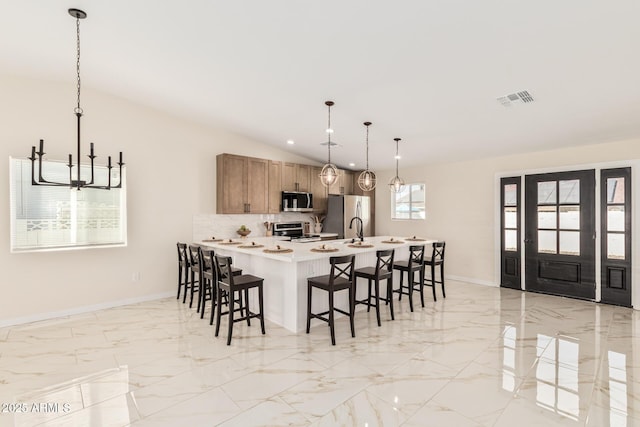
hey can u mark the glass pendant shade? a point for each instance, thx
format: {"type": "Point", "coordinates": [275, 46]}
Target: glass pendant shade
{"type": "Point", "coordinates": [328, 175]}
{"type": "Point", "coordinates": [367, 178]}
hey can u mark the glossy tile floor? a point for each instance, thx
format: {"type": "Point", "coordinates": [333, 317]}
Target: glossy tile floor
{"type": "Point", "coordinates": [484, 356]}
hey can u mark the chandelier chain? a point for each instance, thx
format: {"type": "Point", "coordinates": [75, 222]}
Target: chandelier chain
{"type": "Point", "coordinates": [78, 109]}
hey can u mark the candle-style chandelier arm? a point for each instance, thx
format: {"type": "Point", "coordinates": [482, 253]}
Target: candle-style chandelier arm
{"type": "Point", "coordinates": [78, 183]}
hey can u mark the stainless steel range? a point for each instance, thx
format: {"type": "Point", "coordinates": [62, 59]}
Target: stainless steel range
{"type": "Point", "coordinates": [295, 231]}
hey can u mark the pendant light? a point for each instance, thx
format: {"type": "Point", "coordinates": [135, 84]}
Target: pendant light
{"type": "Point", "coordinates": [77, 183]}
{"type": "Point", "coordinates": [396, 184]}
{"type": "Point", "coordinates": [329, 173]}
{"type": "Point", "coordinates": [367, 178]}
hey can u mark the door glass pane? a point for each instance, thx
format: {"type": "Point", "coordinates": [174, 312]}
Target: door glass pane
{"type": "Point", "coordinates": [547, 217]}
{"type": "Point", "coordinates": [511, 195]}
{"type": "Point", "coordinates": [510, 218]}
{"type": "Point", "coordinates": [615, 246]}
{"type": "Point", "coordinates": [615, 190]}
{"type": "Point", "coordinates": [547, 193]}
{"type": "Point", "coordinates": [615, 218]}
{"type": "Point", "coordinates": [510, 240]}
{"type": "Point", "coordinates": [546, 242]}
{"type": "Point", "coordinates": [570, 191]}
{"type": "Point", "coordinates": [570, 242]}
{"type": "Point", "coordinates": [569, 218]}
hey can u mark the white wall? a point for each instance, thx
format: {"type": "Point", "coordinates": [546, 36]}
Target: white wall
{"type": "Point", "coordinates": [171, 176]}
{"type": "Point", "coordinates": [461, 202]}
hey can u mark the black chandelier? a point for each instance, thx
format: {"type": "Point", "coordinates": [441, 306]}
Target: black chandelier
{"type": "Point", "coordinates": [77, 183]}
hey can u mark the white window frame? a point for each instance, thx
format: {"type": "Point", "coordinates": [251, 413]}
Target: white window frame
{"type": "Point", "coordinates": [80, 219]}
{"type": "Point", "coordinates": [411, 202]}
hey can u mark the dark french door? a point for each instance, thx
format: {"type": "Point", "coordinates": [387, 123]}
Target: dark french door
{"type": "Point", "coordinates": [615, 214]}
{"type": "Point", "coordinates": [510, 256]}
{"type": "Point", "coordinates": [560, 233]}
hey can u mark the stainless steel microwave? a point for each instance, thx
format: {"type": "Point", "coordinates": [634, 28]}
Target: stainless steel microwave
{"type": "Point", "coordinates": [297, 201]}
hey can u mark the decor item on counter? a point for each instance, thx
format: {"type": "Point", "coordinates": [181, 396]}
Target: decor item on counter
{"type": "Point", "coordinates": [317, 223]}
{"type": "Point", "coordinates": [243, 231]}
{"type": "Point", "coordinates": [229, 242]}
{"type": "Point", "coordinates": [277, 250]}
{"type": "Point", "coordinates": [329, 173]}
{"type": "Point", "coordinates": [78, 183]}
{"type": "Point", "coordinates": [367, 179]}
{"type": "Point", "coordinates": [269, 226]}
{"type": "Point", "coordinates": [252, 245]}
{"type": "Point", "coordinates": [393, 240]}
{"type": "Point", "coordinates": [360, 245]}
{"type": "Point", "coordinates": [324, 248]}
{"type": "Point", "coordinates": [396, 184]}
{"type": "Point", "coordinates": [415, 239]}
{"type": "Point", "coordinates": [212, 240]}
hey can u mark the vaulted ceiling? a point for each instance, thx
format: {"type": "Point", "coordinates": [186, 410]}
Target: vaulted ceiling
{"type": "Point", "coordinates": [429, 72]}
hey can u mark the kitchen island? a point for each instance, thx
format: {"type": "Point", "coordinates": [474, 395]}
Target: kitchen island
{"type": "Point", "coordinates": [285, 274]}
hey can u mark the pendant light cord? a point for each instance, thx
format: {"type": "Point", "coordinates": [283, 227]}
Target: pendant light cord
{"type": "Point", "coordinates": [367, 147]}
{"type": "Point", "coordinates": [329, 132]}
{"type": "Point", "coordinates": [397, 157]}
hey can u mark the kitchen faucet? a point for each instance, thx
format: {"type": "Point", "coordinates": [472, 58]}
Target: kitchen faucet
{"type": "Point", "coordinates": [359, 231]}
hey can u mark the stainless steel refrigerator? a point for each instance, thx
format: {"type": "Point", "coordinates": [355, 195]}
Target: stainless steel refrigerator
{"type": "Point", "coordinates": [342, 209]}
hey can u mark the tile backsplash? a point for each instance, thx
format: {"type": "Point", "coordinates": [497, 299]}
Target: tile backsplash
{"type": "Point", "coordinates": [206, 226]}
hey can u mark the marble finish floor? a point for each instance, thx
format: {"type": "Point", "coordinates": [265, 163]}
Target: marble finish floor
{"type": "Point", "coordinates": [481, 357]}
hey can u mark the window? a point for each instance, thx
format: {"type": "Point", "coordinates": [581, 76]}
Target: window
{"type": "Point", "coordinates": [55, 218]}
{"type": "Point", "coordinates": [408, 203]}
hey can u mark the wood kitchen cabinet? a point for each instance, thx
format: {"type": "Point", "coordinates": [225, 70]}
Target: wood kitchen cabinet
{"type": "Point", "coordinates": [344, 184]}
{"type": "Point", "coordinates": [295, 177]}
{"type": "Point", "coordinates": [275, 186]}
{"type": "Point", "coordinates": [318, 190]}
{"type": "Point", "coordinates": [242, 184]}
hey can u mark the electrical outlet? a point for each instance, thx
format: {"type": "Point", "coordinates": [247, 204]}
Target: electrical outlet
{"type": "Point", "coordinates": [136, 276]}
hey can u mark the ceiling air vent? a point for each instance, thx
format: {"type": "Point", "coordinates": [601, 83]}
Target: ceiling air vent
{"type": "Point", "coordinates": [523, 97]}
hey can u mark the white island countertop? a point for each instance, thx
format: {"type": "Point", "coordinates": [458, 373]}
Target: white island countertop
{"type": "Point", "coordinates": [303, 251]}
{"type": "Point", "coordinates": [285, 274]}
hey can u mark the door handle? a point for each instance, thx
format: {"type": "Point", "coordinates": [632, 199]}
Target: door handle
{"type": "Point", "coordinates": [528, 240]}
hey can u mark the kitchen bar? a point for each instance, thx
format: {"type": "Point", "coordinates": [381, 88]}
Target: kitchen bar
{"type": "Point", "coordinates": [285, 274]}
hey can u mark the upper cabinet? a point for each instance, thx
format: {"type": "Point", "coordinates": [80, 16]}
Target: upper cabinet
{"type": "Point", "coordinates": [295, 177]}
{"type": "Point", "coordinates": [318, 190]}
{"type": "Point", "coordinates": [275, 186]}
{"type": "Point", "coordinates": [344, 184]}
{"type": "Point", "coordinates": [251, 185]}
{"type": "Point", "coordinates": [242, 184]}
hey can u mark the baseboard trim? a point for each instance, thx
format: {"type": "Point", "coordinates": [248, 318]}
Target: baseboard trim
{"type": "Point", "coordinates": [81, 310]}
{"type": "Point", "coordinates": [472, 280]}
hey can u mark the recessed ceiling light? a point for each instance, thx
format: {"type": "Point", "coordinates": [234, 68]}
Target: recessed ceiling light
{"type": "Point", "coordinates": [352, 164]}
{"type": "Point", "coordinates": [290, 141]}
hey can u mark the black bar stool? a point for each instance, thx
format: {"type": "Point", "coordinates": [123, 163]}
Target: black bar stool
{"type": "Point", "coordinates": [340, 278]}
{"type": "Point", "coordinates": [415, 264]}
{"type": "Point", "coordinates": [183, 270]}
{"type": "Point", "coordinates": [229, 283]}
{"type": "Point", "coordinates": [382, 271]}
{"type": "Point", "coordinates": [437, 259]}
{"type": "Point", "coordinates": [194, 268]}
{"type": "Point", "coordinates": [208, 276]}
